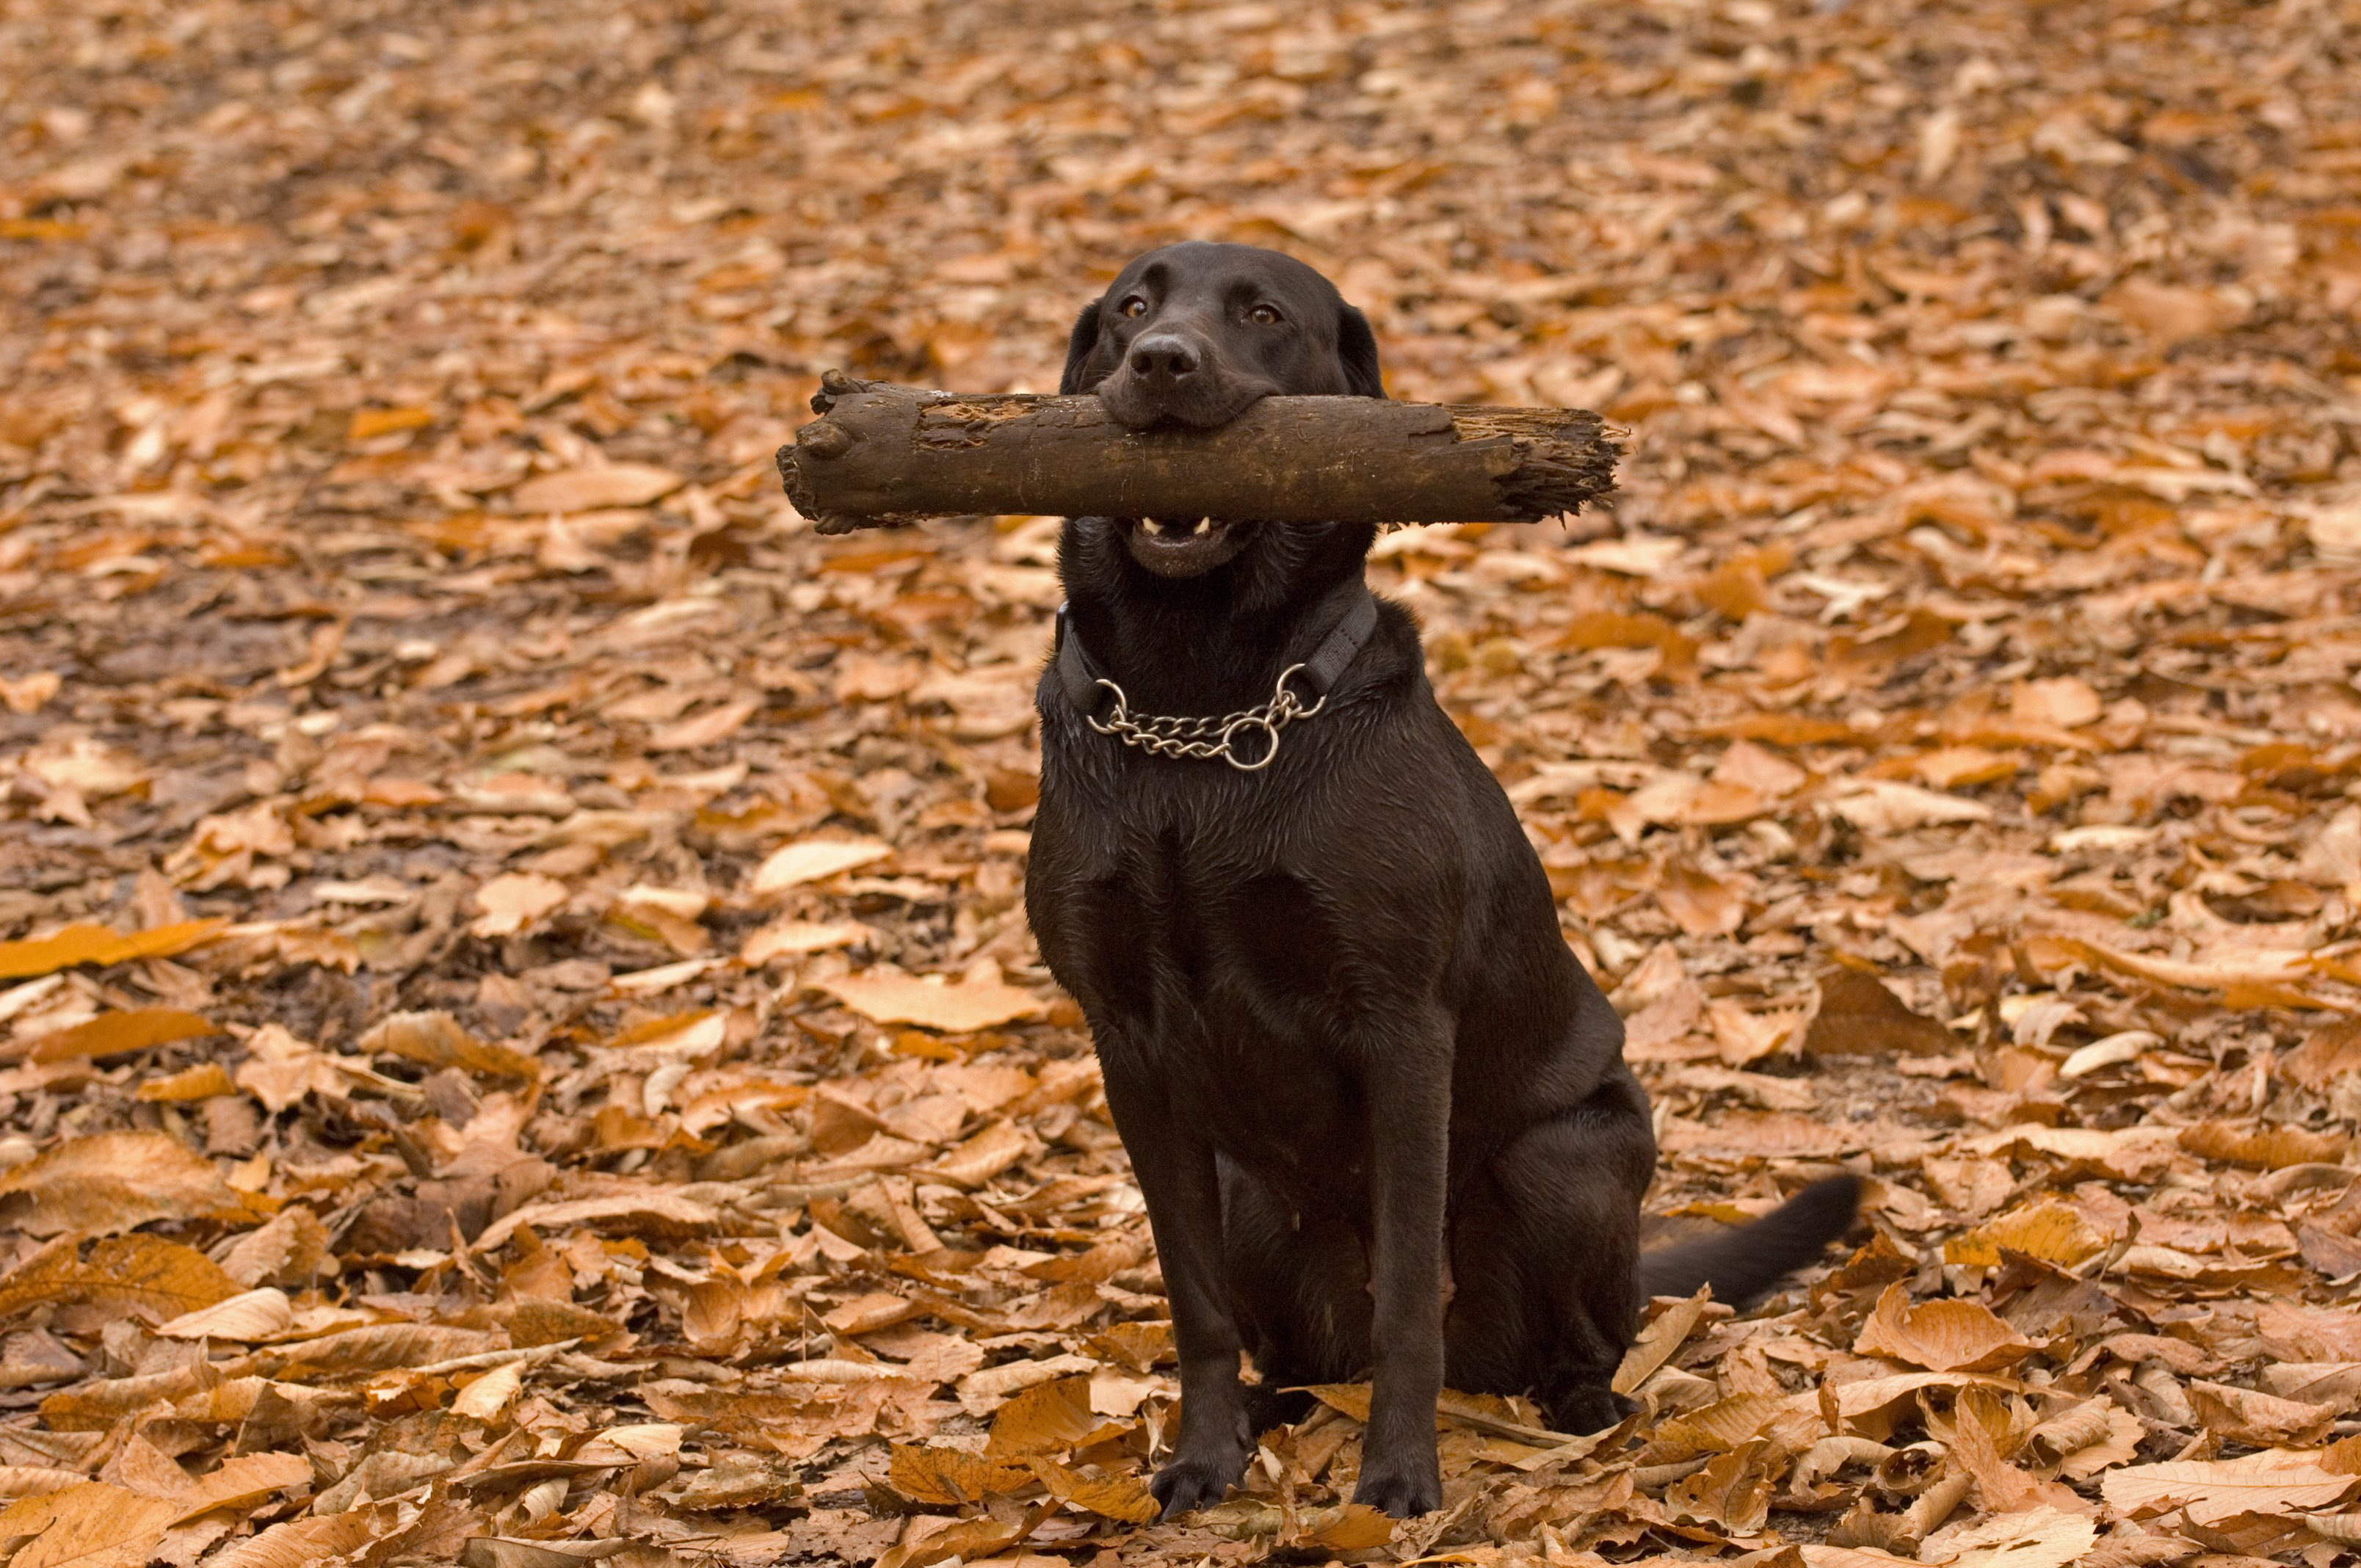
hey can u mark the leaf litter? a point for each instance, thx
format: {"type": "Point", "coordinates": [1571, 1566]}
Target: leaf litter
{"type": "Point", "coordinates": [519, 1042]}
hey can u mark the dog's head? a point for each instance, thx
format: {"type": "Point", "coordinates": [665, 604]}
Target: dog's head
{"type": "Point", "coordinates": [1195, 334]}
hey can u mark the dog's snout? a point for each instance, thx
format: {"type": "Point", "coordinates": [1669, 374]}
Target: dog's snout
{"type": "Point", "coordinates": [1164, 356]}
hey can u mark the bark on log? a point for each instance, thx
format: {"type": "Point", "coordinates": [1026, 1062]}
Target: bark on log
{"type": "Point", "coordinates": [882, 455]}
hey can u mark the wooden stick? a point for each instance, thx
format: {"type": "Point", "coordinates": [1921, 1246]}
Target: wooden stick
{"type": "Point", "coordinates": [882, 455]}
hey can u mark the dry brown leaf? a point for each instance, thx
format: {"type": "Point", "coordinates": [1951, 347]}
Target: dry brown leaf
{"type": "Point", "coordinates": [87, 944]}
{"type": "Point", "coordinates": [115, 1033]}
{"type": "Point", "coordinates": [1046, 1417]}
{"type": "Point", "coordinates": [1859, 1016]}
{"type": "Point", "coordinates": [1656, 1343]}
{"type": "Point", "coordinates": [947, 1478]}
{"type": "Point", "coordinates": [1942, 1336]}
{"type": "Point", "coordinates": [2263, 1420]}
{"type": "Point", "coordinates": [166, 1277]}
{"type": "Point", "coordinates": [2168, 312]}
{"type": "Point", "coordinates": [2278, 1482]}
{"type": "Point", "coordinates": [2067, 701]}
{"type": "Point", "coordinates": [1732, 1493]}
{"type": "Point", "coordinates": [206, 1081]}
{"type": "Point", "coordinates": [815, 859]}
{"type": "Point", "coordinates": [242, 1481]}
{"type": "Point", "coordinates": [288, 1249]}
{"type": "Point", "coordinates": [2263, 1148]}
{"type": "Point", "coordinates": [436, 1040]}
{"type": "Point", "coordinates": [969, 1539]}
{"type": "Point", "coordinates": [248, 1316]}
{"type": "Point", "coordinates": [514, 901]}
{"type": "Point", "coordinates": [954, 1007]}
{"type": "Point", "coordinates": [977, 1160]}
{"type": "Point", "coordinates": [1717, 1427]}
{"type": "Point", "coordinates": [114, 1181]}
{"type": "Point", "coordinates": [1121, 1497]}
{"type": "Point", "coordinates": [298, 1544]}
{"type": "Point", "coordinates": [652, 1213]}
{"type": "Point", "coordinates": [588, 490]}
{"type": "Point", "coordinates": [2048, 1229]}
{"type": "Point", "coordinates": [89, 1526]}
{"type": "Point", "coordinates": [789, 938]}
{"type": "Point", "coordinates": [2042, 1538]}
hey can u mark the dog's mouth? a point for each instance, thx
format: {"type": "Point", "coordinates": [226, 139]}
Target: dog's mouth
{"type": "Point", "coordinates": [1182, 547]}
{"type": "Point", "coordinates": [1135, 404]}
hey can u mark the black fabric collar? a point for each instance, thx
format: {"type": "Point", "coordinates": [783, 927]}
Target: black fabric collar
{"type": "Point", "coordinates": [1355, 607]}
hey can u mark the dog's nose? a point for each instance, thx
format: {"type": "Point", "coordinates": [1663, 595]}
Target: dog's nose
{"type": "Point", "coordinates": [1164, 358]}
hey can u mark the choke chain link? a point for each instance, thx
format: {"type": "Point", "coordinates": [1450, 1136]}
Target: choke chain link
{"type": "Point", "coordinates": [1206, 738]}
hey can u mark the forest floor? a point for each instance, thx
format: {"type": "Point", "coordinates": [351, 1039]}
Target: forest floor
{"type": "Point", "coordinates": [521, 1041]}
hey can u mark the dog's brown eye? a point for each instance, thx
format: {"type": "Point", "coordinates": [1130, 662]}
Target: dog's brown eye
{"type": "Point", "coordinates": [1262, 315]}
{"type": "Point", "coordinates": [1133, 306]}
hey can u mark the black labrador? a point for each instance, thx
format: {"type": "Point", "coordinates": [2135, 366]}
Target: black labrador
{"type": "Point", "coordinates": [1378, 1111]}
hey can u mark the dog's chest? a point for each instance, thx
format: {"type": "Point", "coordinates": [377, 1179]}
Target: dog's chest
{"type": "Point", "coordinates": [1234, 975]}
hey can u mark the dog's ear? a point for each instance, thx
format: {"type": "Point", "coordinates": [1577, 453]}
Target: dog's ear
{"type": "Point", "coordinates": [1081, 349]}
{"type": "Point", "coordinates": [1356, 349]}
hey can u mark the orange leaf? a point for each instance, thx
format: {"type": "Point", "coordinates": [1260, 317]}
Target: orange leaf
{"type": "Point", "coordinates": [2264, 1148]}
{"type": "Point", "coordinates": [1045, 1418]}
{"type": "Point", "coordinates": [947, 1478]}
{"type": "Point", "coordinates": [206, 1081]}
{"type": "Point", "coordinates": [2051, 1230]}
{"type": "Point", "coordinates": [86, 944]}
{"type": "Point", "coordinates": [114, 1033]}
{"type": "Point", "coordinates": [588, 490]}
{"type": "Point", "coordinates": [1942, 1336]}
{"type": "Point", "coordinates": [1117, 1496]}
{"type": "Point", "coordinates": [955, 1007]}
{"type": "Point", "coordinates": [367, 423]}
{"type": "Point", "coordinates": [164, 1277]}
{"type": "Point", "coordinates": [114, 1182]}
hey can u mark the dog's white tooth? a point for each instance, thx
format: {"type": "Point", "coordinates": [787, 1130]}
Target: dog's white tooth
{"type": "Point", "coordinates": [1150, 525]}
{"type": "Point", "coordinates": [1205, 525]}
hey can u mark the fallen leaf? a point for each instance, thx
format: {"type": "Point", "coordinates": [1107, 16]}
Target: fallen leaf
{"type": "Point", "coordinates": [250, 1315]}
{"type": "Point", "coordinates": [1123, 1497]}
{"type": "Point", "coordinates": [89, 1526]}
{"type": "Point", "coordinates": [85, 944]}
{"type": "Point", "coordinates": [114, 1182]}
{"type": "Point", "coordinates": [954, 1007]}
{"type": "Point", "coordinates": [115, 1034]}
{"type": "Point", "coordinates": [587, 490]}
{"type": "Point", "coordinates": [204, 1080]}
{"type": "Point", "coordinates": [1859, 1016]}
{"type": "Point", "coordinates": [436, 1040]}
{"type": "Point", "coordinates": [2279, 1482]}
{"type": "Point", "coordinates": [514, 901]}
{"type": "Point", "coordinates": [167, 1278]}
{"type": "Point", "coordinates": [2040, 1538]}
{"type": "Point", "coordinates": [2047, 1229]}
{"type": "Point", "coordinates": [2263, 1148]}
{"type": "Point", "coordinates": [1943, 1335]}
{"type": "Point", "coordinates": [814, 860]}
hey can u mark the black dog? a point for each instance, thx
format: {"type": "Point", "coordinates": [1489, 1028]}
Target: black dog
{"type": "Point", "coordinates": [1379, 1112]}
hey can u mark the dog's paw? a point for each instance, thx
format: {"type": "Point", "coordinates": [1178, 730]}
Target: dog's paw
{"type": "Point", "coordinates": [1587, 1408]}
{"type": "Point", "coordinates": [1404, 1491]}
{"type": "Point", "coordinates": [1190, 1481]}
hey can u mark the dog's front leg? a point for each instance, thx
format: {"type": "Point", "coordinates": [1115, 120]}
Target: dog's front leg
{"type": "Point", "coordinates": [1409, 1127]}
{"type": "Point", "coordinates": [1174, 1163]}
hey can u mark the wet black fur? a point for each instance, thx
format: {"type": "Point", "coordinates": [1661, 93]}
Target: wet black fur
{"type": "Point", "coordinates": [1343, 1040]}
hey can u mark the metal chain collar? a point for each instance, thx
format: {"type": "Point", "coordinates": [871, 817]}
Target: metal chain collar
{"type": "Point", "coordinates": [1203, 739]}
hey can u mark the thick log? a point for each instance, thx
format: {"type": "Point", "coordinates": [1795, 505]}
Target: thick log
{"type": "Point", "coordinates": [882, 455]}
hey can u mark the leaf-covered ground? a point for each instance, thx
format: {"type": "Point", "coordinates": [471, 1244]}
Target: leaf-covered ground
{"type": "Point", "coordinates": [522, 1044]}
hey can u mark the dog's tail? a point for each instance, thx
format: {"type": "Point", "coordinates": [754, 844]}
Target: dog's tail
{"type": "Point", "coordinates": [1744, 1262]}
